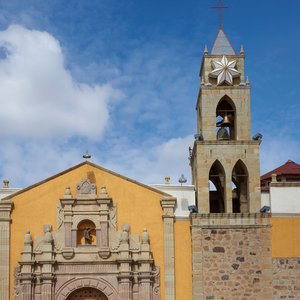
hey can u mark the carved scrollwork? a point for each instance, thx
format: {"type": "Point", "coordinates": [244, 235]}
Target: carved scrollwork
{"type": "Point", "coordinates": [85, 187]}
{"type": "Point", "coordinates": [59, 215]}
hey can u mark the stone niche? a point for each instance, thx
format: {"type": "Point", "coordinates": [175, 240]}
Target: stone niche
{"type": "Point", "coordinates": [87, 253]}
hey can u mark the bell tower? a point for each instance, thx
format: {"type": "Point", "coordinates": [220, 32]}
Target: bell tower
{"type": "Point", "coordinates": [225, 159]}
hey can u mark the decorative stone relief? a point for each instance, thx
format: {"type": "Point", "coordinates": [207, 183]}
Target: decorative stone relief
{"type": "Point", "coordinates": [224, 71]}
{"type": "Point", "coordinates": [113, 216]}
{"type": "Point", "coordinates": [85, 187]}
{"type": "Point", "coordinates": [56, 264]}
{"type": "Point", "coordinates": [59, 215]}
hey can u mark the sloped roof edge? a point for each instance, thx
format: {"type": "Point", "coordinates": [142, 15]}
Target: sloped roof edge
{"type": "Point", "coordinates": [288, 168]}
{"type": "Point", "coordinates": [222, 45]}
{"type": "Point", "coordinates": [79, 165]}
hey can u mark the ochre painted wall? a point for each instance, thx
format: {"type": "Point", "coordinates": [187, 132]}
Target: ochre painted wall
{"type": "Point", "coordinates": [285, 237]}
{"type": "Point", "coordinates": [183, 260]}
{"type": "Point", "coordinates": [136, 205]}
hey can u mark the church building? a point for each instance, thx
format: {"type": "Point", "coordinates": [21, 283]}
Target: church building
{"type": "Point", "coordinates": [90, 233]}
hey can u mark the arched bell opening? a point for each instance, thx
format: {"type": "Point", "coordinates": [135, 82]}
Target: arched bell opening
{"type": "Point", "coordinates": [86, 233]}
{"type": "Point", "coordinates": [240, 195]}
{"type": "Point", "coordinates": [225, 119]}
{"type": "Point", "coordinates": [87, 293]}
{"type": "Point", "coordinates": [217, 188]}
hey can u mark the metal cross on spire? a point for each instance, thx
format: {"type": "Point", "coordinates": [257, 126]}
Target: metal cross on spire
{"type": "Point", "coordinates": [219, 8]}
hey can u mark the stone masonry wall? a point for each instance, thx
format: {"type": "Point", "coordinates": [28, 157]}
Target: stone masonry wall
{"type": "Point", "coordinates": [231, 262]}
{"type": "Point", "coordinates": [286, 278]}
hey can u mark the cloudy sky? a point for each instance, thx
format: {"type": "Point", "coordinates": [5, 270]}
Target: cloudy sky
{"type": "Point", "coordinates": [120, 78]}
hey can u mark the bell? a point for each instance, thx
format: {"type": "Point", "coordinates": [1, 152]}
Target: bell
{"type": "Point", "coordinates": [225, 122]}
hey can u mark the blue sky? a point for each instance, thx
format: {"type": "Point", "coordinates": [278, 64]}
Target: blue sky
{"type": "Point", "coordinates": [120, 78]}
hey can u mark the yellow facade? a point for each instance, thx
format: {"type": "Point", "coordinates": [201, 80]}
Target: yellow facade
{"type": "Point", "coordinates": [183, 260]}
{"type": "Point", "coordinates": [137, 205]}
{"type": "Point", "coordinates": [285, 237]}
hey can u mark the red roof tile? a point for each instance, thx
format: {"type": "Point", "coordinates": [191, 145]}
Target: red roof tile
{"type": "Point", "coordinates": [289, 168]}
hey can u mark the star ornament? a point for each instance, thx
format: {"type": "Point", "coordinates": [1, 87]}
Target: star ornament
{"type": "Point", "coordinates": [224, 71]}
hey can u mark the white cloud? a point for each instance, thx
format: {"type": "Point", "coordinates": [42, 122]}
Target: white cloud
{"type": "Point", "coordinates": [277, 151]}
{"type": "Point", "coordinates": [38, 96]}
{"type": "Point", "coordinates": [152, 164]}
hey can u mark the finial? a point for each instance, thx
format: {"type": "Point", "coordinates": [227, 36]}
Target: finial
{"type": "Point", "coordinates": [67, 193]}
{"type": "Point", "coordinates": [274, 177]}
{"type": "Point", "coordinates": [205, 50]}
{"type": "Point", "coordinates": [48, 238]}
{"type": "Point", "coordinates": [5, 184]}
{"type": "Point", "coordinates": [182, 179]}
{"type": "Point", "coordinates": [242, 52]}
{"type": "Point", "coordinates": [145, 236]}
{"type": "Point", "coordinates": [27, 238]}
{"type": "Point", "coordinates": [103, 190]}
{"type": "Point", "coordinates": [219, 8]}
{"type": "Point", "coordinates": [86, 156]}
{"type": "Point", "coordinates": [167, 179]}
{"type": "Point", "coordinates": [247, 81]}
{"type": "Point", "coordinates": [125, 233]}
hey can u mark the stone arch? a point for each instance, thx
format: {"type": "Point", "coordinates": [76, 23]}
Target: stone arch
{"type": "Point", "coordinates": [87, 293]}
{"type": "Point", "coordinates": [226, 119]}
{"type": "Point", "coordinates": [79, 218]}
{"type": "Point", "coordinates": [217, 177]}
{"type": "Point", "coordinates": [240, 194]}
{"type": "Point", "coordinates": [96, 283]}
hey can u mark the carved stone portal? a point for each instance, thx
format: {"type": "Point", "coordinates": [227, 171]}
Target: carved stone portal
{"type": "Point", "coordinates": [87, 294]}
{"type": "Point", "coordinates": [87, 257]}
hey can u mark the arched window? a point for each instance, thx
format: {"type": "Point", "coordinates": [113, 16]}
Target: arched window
{"type": "Point", "coordinates": [217, 188]}
{"type": "Point", "coordinates": [86, 233]}
{"type": "Point", "coordinates": [240, 197]}
{"type": "Point", "coordinates": [225, 119]}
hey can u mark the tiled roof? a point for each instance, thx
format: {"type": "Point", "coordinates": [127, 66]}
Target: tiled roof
{"type": "Point", "coordinates": [222, 45]}
{"type": "Point", "coordinates": [289, 168]}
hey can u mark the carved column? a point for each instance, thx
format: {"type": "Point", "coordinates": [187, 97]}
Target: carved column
{"type": "Point", "coordinates": [104, 201]}
{"type": "Point", "coordinates": [67, 202]}
{"type": "Point", "coordinates": [5, 210]}
{"type": "Point", "coordinates": [125, 260]}
{"type": "Point", "coordinates": [26, 272]}
{"type": "Point", "coordinates": [168, 206]}
{"type": "Point", "coordinates": [46, 260]}
{"type": "Point", "coordinates": [228, 193]}
{"type": "Point", "coordinates": [145, 268]}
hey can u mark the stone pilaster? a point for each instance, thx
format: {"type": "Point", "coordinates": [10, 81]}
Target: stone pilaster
{"type": "Point", "coordinates": [26, 271]}
{"type": "Point", "coordinates": [104, 201]}
{"type": "Point", "coordinates": [5, 210]}
{"type": "Point", "coordinates": [168, 206]}
{"type": "Point", "coordinates": [47, 261]}
{"type": "Point", "coordinates": [145, 287]}
{"type": "Point", "coordinates": [67, 202]}
{"type": "Point", "coordinates": [125, 287]}
{"type": "Point", "coordinates": [197, 262]}
{"type": "Point", "coordinates": [145, 268]}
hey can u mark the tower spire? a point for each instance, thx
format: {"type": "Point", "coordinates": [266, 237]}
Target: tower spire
{"type": "Point", "coordinates": [219, 7]}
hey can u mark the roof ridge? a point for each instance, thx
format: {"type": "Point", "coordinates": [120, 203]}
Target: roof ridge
{"type": "Point", "coordinates": [77, 166]}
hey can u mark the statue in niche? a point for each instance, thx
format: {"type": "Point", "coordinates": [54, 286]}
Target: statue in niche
{"type": "Point", "coordinates": [87, 236]}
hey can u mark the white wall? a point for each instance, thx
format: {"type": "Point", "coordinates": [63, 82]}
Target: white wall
{"type": "Point", "coordinates": [285, 199]}
{"type": "Point", "coordinates": [265, 199]}
{"type": "Point", "coordinates": [185, 195]}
